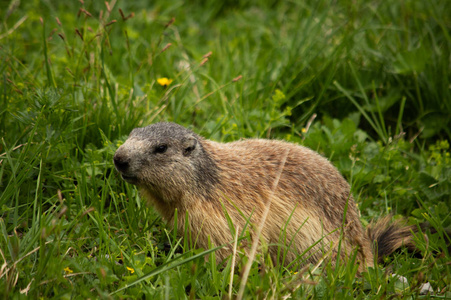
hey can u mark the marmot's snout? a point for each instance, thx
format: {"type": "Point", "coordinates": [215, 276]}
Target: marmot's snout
{"type": "Point", "coordinates": [122, 164]}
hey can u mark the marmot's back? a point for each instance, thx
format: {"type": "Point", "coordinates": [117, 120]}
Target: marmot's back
{"type": "Point", "coordinates": [310, 193]}
{"type": "Point", "coordinates": [307, 179]}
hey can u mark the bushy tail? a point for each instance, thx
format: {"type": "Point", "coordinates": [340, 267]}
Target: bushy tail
{"type": "Point", "coordinates": [388, 236]}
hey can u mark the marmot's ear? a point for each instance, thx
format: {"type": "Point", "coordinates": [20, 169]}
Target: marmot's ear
{"type": "Point", "coordinates": [189, 144]}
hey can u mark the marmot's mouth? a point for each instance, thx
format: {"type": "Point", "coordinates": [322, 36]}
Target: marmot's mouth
{"type": "Point", "coordinates": [130, 179]}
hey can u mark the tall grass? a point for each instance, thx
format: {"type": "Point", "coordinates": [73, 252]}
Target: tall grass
{"type": "Point", "coordinates": [78, 76]}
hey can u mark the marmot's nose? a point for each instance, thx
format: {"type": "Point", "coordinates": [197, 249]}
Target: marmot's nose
{"type": "Point", "coordinates": [121, 162]}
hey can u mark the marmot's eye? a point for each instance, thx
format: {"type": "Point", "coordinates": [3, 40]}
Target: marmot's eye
{"type": "Point", "coordinates": [161, 148]}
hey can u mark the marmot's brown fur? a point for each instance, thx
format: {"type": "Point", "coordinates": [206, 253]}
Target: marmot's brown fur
{"type": "Point", "coordinates": [174, 168]}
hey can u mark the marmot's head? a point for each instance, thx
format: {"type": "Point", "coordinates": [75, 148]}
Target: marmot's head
{"type": "Point", "coordinates": [165, 159]}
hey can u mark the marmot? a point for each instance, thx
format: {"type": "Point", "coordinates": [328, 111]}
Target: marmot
{"type": "Point", "coordinates": [311, 206]}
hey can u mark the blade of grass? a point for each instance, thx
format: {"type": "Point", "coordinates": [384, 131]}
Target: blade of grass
{"type": "Point", "coordinates": [255, 243]}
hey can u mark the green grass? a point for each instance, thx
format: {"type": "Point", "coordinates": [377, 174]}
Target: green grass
{"type": "Point", "coordinates": [365, 83]}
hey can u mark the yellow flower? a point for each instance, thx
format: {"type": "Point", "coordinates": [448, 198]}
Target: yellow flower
{"type": "Point", "coordinates": [164, 82]}
{"type": "Point", "coordinates": [131, 270]}
{"type": "Point", "coordinates": [304, 130]}
{"type": "Point", "coordinates": [67, 270]}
